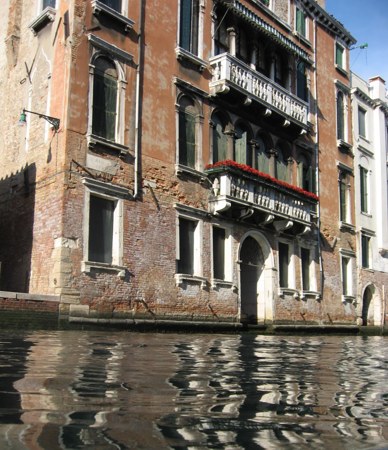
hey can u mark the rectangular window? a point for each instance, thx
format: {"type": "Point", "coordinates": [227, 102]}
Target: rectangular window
{"type": "Point", "coordinates": [189, 24]}
{"type": "Point", "coordinates": [346, 276]}
{"type": "Point", "coordinates": [186, 262]}
{"type": "Point", "coordinates": [362, 122]}
{"type": "Point", "coordinates": [343, 197]}
{"type": "Point", "coordinates": [101, 219]}
{"type": "Point", "coordinates": [364, 190]}
{"type": "Point", "coordinates": [300, 22]}
{"type": "Point", "coordinates": [305, 260]}
{"type": "Point", "coordinates": [219, 239]}
{"type": "Point", "coordinates": [284, 262]}
{"type": "Point", "coordinates": [340, 56]}
{"type": "Point", "coordinates": [365, 250]}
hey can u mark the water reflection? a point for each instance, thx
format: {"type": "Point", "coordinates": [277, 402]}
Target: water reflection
{"type": "Point", "coordinates": [96, 390]}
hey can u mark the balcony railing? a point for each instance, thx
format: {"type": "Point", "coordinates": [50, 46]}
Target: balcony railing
{"type": "Point", "coordinates": [228, 71]}
{"type": "Point", "coordinates": [235, 189]}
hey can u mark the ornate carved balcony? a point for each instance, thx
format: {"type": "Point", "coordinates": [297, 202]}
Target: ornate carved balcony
{"type": "Point", "coordinates": [242, 193]}
{"type": "Point", "coordinates": [229, 72]}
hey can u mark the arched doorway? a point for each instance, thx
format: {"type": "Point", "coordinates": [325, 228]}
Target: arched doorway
{"type": "Point", "coordinates": [256, 282]}
{"type": "Point", "coordinates": [371, 306]}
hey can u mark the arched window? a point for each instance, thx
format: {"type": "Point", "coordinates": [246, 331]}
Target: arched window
{"type": "Point", "coordinates": [105, 99]}
{"type": "Point", "coordinates": [187, 132]}
{"type": "Point", "coordinates": [242, 153]}
{"type": "Point", "coordinates": [220, 141]}
{"type": "Point", "coordinates": [340, 116]}
{"type": "Point", "coordinates": [261, 159]}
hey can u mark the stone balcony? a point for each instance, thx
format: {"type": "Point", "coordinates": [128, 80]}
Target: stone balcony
{"type": "Point", "coordinates": [228, 73]}
{"type": "Point", "coordinates": [243, 193]}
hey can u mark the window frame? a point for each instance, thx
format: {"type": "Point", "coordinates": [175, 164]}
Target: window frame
{"type": "Point", "coordinates": [182, 53]}
{"type": "Point", "coordinates": [197, 248]}
{"type": "Point", "coordinates": [362, 124]}
{"type": "Point", "coordinates": [348, 283]}
{"type": "Point", "coordinates": [116, 194]}
{"type": "Point", "coordinates": [365, 246]}
{"type": "Point", "coordinates": [227, 257]}
{"type": "Point", "coordinates": [344, 199]}
{"type": "Point", "coordinates": [290, 272]}
{"type": "Point", "coordinates": [121, 60]}
{"type": "Point", "coordinates": [342, 64]}
{"type": "Point", "coordinates": [300, 14]}
{"type": "Point", "coordinates": [195, 168]}
{"type": "Point", "coordinates": [364, 190]}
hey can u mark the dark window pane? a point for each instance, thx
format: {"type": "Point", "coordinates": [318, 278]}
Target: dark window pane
{"type": "Point", "coordinates": [340, 116]}
{"type": "Point", "coordinates": [364, 189]}
{"type": "Point", "coordinates": [47, 3]}
{"type": "Point", "coordinates": [114, 4]}
{"type": "Point", "coordinates": [219, 253]}
{"type": "Point", "coordinates": [345, 279]}
{"type": "Point", "coordinates": [189, 25]}
{"type": "Point", "coordinates": [104, 99]}
{"type": "Point", "coordinates": [284, 260]}
{"type": "Point", "coordinates": [101, 229]}
{"type": "Point", "coordinates": [365, 250]}
{"type": "Point", "coordinates": [301, 82]}
{"type": "Point", "coordinates": [186, 246]}
{"type": "Point", "coordinates": [361, 122]}
{"type": "Point", "coordinates": [305, 257]}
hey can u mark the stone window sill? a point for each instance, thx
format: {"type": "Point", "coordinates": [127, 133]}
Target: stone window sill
{"type": "Point", "coordinates": [182, 278]}
{"type": "Point", "coordinates": [100, 8]}
{"type": "Point", "coordinates": [341, 70]}
{"type": "Point", "coordinates": [45, 17]}
{"type": "Point", "coordinates": [87, 267]}
{"type": "Point", "coordinates": [348, 298]}
{"type": "Point", "coordinates": [345, 226]}
{"type": "Point", "coordinates": [288, 291]}
{"type": "Point", "coordinates": [183, 54]}
{"type": "Point", "coordinates": [344, 146]}
{"type": "Point", "coordinates": [98, 141]}
{"type": "Point", "coordinates": [310, 294]}
{"type": "Point", "coordinates": [182, 170]}
{"type": "Point", "coordinates": [217, 284]}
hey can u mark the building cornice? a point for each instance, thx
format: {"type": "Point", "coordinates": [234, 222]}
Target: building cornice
{"type": "Point", "coordinates": [329, 22]}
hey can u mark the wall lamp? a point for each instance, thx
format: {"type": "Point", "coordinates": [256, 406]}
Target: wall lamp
{"type": "Point", "coordinates": [53, 121]}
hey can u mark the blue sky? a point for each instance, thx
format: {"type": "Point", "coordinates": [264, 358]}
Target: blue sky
{"type": "Point", "coordinates": [367, 21]}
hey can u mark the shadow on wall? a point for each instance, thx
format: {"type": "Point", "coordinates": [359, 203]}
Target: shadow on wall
{"type": "Point", "coordinates": [17, 203]}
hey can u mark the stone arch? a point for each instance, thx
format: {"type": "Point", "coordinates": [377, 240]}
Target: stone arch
{"type": "Point", "coordinates": [371, 306]}
{"type": "Point", "coordinates": [256, 278]}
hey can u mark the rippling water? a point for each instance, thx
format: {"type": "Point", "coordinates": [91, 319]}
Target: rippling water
{"type": "Point", "coordinates": [104, 390]}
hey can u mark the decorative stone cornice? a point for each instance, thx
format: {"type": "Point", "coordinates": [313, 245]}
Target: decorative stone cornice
{"type": "Point", "coordinates": [329, 22]}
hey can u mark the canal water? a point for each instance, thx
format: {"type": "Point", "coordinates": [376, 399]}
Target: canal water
{"type": "Point", "coordinates": [119, 390]}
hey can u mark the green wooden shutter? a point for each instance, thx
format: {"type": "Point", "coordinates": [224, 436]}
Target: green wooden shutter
{"type": "Point", "coordinates": [186, 139]}
{"type": "Point", "coordinates": [104, 100]}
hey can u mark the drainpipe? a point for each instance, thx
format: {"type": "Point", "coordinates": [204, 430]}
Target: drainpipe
{"type": "Point", "coordinates": [317, 161]}
{"type": "Point", "coordinates": [139, 100]}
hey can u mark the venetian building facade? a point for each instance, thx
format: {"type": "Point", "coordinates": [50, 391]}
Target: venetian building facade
{"type": "Point", "coordinates": [195, 174]}
{"type": "Point", "coordinates": [370, 113]}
